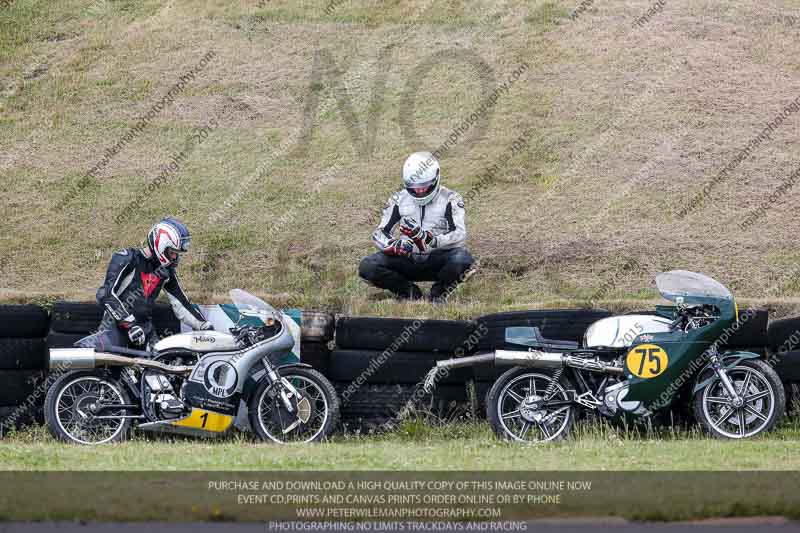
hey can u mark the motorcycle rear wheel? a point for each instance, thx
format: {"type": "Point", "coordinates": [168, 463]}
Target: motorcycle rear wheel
{"type": "Point", "coordinates": [269, 418]}
{"type": "Point", "coordinates": [511, 420]}
{"type": "Point", "coordinates": [764, 402]}
{"type": "Point", "coordinates": [69, 405]}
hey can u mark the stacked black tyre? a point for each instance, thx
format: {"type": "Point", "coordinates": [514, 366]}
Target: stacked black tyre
{"type": "Point", "coordinates": [72, 321]}
{"type": "Point", "coordinates": [23, 357]}
{"type": "Point", "coordinates": [784, 347]}
{"type": "Point", "coordinates": [379, 364]}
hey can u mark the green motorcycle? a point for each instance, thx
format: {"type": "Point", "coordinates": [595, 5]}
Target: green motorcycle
{"type": "Point", "coordinates": [635, 366]}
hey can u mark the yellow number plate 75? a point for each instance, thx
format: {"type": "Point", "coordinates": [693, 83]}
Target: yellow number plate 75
{"type": "Point", "coordinates": [647, 361]}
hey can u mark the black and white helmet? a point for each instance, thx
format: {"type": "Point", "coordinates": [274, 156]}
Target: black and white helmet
{"type": "Point", "coordinates": [421, 176]}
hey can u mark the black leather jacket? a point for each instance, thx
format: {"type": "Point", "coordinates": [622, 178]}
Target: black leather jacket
{"type": "Point", "coordinates": [134, 282]}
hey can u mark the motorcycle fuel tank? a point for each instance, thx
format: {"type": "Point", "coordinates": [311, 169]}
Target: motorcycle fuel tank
{"type": "Point", "coordinates": [199, 341]}
{"type": "Point", "coordinates": [621, 331]}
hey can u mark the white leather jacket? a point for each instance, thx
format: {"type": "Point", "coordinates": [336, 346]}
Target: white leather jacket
{"type": "Point", "coordinates": [444, 217]}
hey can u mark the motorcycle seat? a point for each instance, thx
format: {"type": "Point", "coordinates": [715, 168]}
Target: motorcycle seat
{"type": "Point", "coordinates": [531, 337]}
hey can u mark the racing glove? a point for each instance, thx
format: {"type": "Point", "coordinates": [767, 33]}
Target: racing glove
{"type": "Point", "coordinates": [424, 239]}
{"type": "Point", "coordinates": [399, 247]}
{"type": "Point", "coordinates": [137, 335]}
{"type": "Point", "coordinates": [135, 332]}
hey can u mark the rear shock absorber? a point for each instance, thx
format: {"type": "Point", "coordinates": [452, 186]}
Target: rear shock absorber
{"type": "Point", "coordinates": [552, 385]}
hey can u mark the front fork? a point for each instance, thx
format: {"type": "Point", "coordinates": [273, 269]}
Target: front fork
{"type": "Point", "coordinates": [722, 374]}
{"type": "Point", "coordinates": [287, 391]}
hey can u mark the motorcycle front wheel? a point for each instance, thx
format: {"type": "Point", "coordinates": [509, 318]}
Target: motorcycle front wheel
{"type": "Point", "coordinates": [72, 409]}
{"type": "Point", "coordinates": [518, 410]}
{"type": "Point", "coordinates": [764, 402]}
{"type": "Point", "coordinates": [314, 413]}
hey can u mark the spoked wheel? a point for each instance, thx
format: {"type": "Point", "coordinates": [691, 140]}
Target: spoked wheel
{"type": "Point", "coordinates": [528, 406]}
{"type": "Point", "coordinates": [763, 402]}
{"type": "Point", "coordinates": [314, 410]}
{"type": "Point", "coordinates": [79, 408]}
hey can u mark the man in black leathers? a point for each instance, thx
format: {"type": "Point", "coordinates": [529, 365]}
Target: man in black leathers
{"type": "Point", "coordinates": [134, 281]}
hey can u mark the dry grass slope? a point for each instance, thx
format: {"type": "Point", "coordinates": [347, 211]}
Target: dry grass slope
{"type": "Point", "coordinates": [627, 123]}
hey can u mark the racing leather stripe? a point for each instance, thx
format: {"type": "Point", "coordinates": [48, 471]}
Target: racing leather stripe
{"type": "Point", "coordinates": [448, 214]}
{"type": "Point", "coordinates": [393, 220]}
{"type": "Point", "coordinates": [118, 288]}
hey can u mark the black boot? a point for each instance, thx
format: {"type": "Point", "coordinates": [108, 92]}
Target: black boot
{"type": "Point", "coordinates": [440, 292]}
{"type": "Point", "coordinates": [413, 293]}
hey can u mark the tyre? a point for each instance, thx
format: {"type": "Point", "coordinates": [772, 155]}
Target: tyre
{"type": "Point", "coordinates": [407, 335]}
{"type": "Point", "coordinates": [85, 318]}
{"type": "Point", "coordinates": [22, 354]}
{"type": "Point", "coordinates": [554, 324]}
{"type": "Point", "coordinates": [375, 407]}
{"type": "Point", "coordinates": [784, 335]}
{"type": "Point", "coordinates": [787, 366]}
{"type": "Point", "coordinates": [316, 326]}
{"type": "Point", "coordinates": [18, 417]}
{"type": "Point", "coordinates": [19, 387]}
{"type": "Point", "coordinates": [487, 372]}
{"type": "Point", "coordinates": [76, 317]}
{"type": "Point", "coordinates": [764, 402]}
{"type": "Point", "coordinates": [272, 422]}
{"type": "Point", "coordinates": [69, 406]}
{"type": "Point", "coordinates": [517, 406]}
{"type": "Point", "coordinates": [371, 407]}
{"type": "Point", "coordinates": [370, 366]}
{"type": "Point", "coordinates": [23, 321]}
{"type": "Point", "coordinates": [316, 354]}
{"type": "Point", "coordinates": [752, 332]}
{"type": "Point", "coordinates": [63, 340]}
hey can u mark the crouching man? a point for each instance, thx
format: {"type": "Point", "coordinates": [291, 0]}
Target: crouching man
{"type": "Point", "coordinates": [421, 236]}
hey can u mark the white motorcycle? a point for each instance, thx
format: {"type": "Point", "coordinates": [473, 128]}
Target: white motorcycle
{"type": "Point", "coordinates": [195, 384]}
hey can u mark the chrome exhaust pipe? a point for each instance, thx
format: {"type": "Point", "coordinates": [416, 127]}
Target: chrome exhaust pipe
{"type": "Point", "coordinates": [108, 359]}
{"type": "Point", "coordinates": [531, 358]}
{"type": "Point", "coordinates": [444, 366]}
{"type": "Point", "coordinates": [461, 362]}
{"type": "Point", "coordinates": [538, 359]}
{"type": "Point", "coordinates": [64, 359]}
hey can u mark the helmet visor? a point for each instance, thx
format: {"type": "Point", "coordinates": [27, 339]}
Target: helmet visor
{"type": "Point", "coordinates": [186, 243]}
{"type": "Point", "coordinates": [421, 190]}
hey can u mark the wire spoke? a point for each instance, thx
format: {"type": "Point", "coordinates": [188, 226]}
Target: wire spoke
{"type": "Point", "coordinates": [543, 428]}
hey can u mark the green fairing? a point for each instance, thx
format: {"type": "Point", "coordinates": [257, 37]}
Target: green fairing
{"type": "Point", "coordinates": [684, 350]}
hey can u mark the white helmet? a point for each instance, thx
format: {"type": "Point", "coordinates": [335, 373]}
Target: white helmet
{"type": "Point", "coordinates": [421, 177]}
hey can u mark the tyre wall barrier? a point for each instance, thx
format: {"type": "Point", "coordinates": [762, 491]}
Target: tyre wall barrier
{"type": "Point", "coordinates": [23, 355]}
